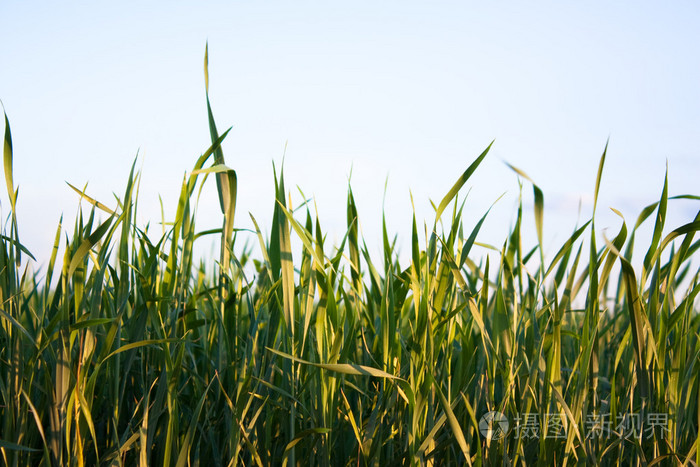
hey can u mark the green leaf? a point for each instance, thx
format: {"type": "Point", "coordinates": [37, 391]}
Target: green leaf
{"type": "Point", "coordinates": [566, 247]}
{"type": "Point", "coordinates": [454, 423]}
{"type": "Point", "coordinates": [87, 245]}
{"type": "Point", "coordinates": [599, 176]}
{"type": "Point", "coordinates": [658, 225]}
{"type": "Point", "coordinates": [460, 183]}
{"type": "Point", "coordinates": [7, 162]}
{"type": "Point", "coordinates": [95, 203]}
{"type": "Point", "coordinates": [16, 447]}
{"type": "Point", "coordinates": [353, 369]}
{"type": "Point", "coordinates": [303, 434]}
{"type": "Point", "coordinates": [634, 307]}
{"type": "Point", "coordinates": [18, 245]}
{"type": "Point", "coordinates": [143, 343]}
{"type": "Point", "coordinates": [182, 458]}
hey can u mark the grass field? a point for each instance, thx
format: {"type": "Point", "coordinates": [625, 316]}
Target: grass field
{"type": "Point", "coordinates": [324, 355]}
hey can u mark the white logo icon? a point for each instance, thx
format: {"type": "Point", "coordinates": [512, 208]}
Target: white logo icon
{"type": "Point", "coordinates": [494, 425]}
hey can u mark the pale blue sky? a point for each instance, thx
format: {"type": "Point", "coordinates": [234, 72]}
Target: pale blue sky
{"type": "Point", "coordinates": [412, 90]}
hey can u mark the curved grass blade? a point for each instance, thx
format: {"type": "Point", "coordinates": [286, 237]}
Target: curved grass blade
{"type": "Point", "coordinates": [565, 248]}
{"type": "Point", "coordinates": [87, 245]}
{"type": "Point", "coordinates": [21, 247]}
{"type": "Point", "coordinates": [19, 327]}
{"type": "Point", "coordinates": [11, 192]}
{"type": "Point", "coordinates": [658, 225]}
{"type": "Point", "coordinates": [16, 447]}
{"type": "Point", "coordinates": [634, 305]}
{"type": "Point", "coordinates": [183, 456]}
{"type": "Point", "coordinates": [460, 183]}
{"type": "Point", "coordinates": [357, 370]}
{"type": "Point", "coordinates": [37, 420]}
{"type": "Point", "coordinates": [303, 434]}
{"type": "Point", "coordinates": [92, 201]}
{"type": "Point", "coordinates": [539, 202]}
{"type": "Point", "coordinates": [222, 182]}
{"type": "Point", "coordinates": [599, 175]}
{"type": "Point", "coordinates": [7, 162]}
{"type": "Point", "coordinates": [454, 423]}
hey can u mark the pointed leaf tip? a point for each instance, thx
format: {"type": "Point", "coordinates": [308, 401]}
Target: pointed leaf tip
{"type": "Point", "coordinates": [460, 182]}
{"type": "Point", "coordinates": [7, 162]}
{"type": "Point", "coordinates": [206, 67]}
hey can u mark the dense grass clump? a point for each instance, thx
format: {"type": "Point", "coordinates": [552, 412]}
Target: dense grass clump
{"type": "Point", "coordinates": [141, 355]}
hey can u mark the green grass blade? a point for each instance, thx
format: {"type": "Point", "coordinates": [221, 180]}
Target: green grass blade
{"type": "Point", "coordinates": [87, 245]}
{"type": "Point", "coordinates": [634, 305]}
{"type": "Point", "coordinates": [183, 456]}
{"type": "Point", "coordinates": [454, 423]}
{"type": "Point", "coordinates": [599, 175]}
{"type": "Point", "coordinates": [92, 201]}
{"type": "Point", "coordinates": [460, 183]}
{"type": "Point", "coordinates": [16, 447]}
{"type": "Point", "coordinates": [7, 162]}
{"type": "Point", "coordinates": [19, 246]}
{"type": "Point", "coordinates": [658, 225]}
{"type": "Point", "coordinates": [566, 248]}
{"type": "Point", "coordinates": [357, 370]}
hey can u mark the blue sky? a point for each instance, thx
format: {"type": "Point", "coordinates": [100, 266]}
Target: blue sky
{"type": "Point", "coordinates": [409, 90]}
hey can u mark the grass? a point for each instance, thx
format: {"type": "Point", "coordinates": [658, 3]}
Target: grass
{"type": "Point", "coordinates": [141, 355]}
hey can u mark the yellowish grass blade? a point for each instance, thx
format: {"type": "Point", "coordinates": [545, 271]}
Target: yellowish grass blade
{"type": "Point", "coordinates": [460, 183]}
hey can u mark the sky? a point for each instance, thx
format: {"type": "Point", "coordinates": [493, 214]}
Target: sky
{"type": "Point", "coordinates": [402, 95]}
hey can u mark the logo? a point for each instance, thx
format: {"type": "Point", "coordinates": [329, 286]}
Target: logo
{"type": "Point", "coordinates": [493, 425]}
